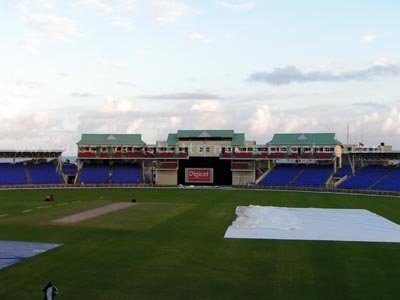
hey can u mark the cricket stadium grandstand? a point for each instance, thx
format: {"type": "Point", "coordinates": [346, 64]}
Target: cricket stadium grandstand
{"type": "Point", "coordinates": [305, 161]}
{"type": "Point", "coordinates": [201, 214]}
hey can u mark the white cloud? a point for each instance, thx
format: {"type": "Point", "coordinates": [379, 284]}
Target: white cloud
{"type": "Point", "coordinates": [17, 124]}
{"type": "Point", "coordinates": [261, 122]}
{"type": "Point", "coordinates": [290, 74]}
{"type": "Point", "coordinates": [48, 4]}
{"type": "Point", "coordinates": [106, 64]}
{"type": "Point", "coordinates": [110, 7]}
{"type": "Point", "coordinates": [42, 120]}
{"type": "Point", "coordinates": [175, 121]}
{"type": "Point", "coordinates": [209, 120]}
{"type": "Point", "coordinates": [142, 52]}
{"type": "Point", "coordinates": [25, 6]}
{"type": "Point", "coordinates": [99, 5]}
{"type": "Point", "coordinates": [168, 11]}
{"type": "Point", "coordinates": [11, 108]}
{"type": "Point", "coordinates": [391, 123]}
{"type": "Point", "coordinates": [27, 84]}
{"type": "Point", "coordinates": [198, 37]}
{"type": "Point", "coordinates": [127, 5]}
{"type": "Point", "coordinates": [118, 105]}
{"type": "Point", "coordinates": [83, 95]}
{"type": "Point", "coordinates": [368, 38]}
{"type": "Point", "coordinates": [370, 125]}
{"type": "Point", "coordinates": [383, 61]}
{"type": "Point", "coordinates": [64, 74]}
{"type": "Point", "coordinates": [134, 126]}
{"type": "Point", "coordinates": [237, 6]}
{"type": "Point", "coordinates": [126, 83]}
{"type": "Point", "coordinates": [27, 46]}
{"type": "Point", "coordinates": [207, 106]}
{"type": "Point", "coordinates": [267, 120]}
{"type": "Point", "coordinates": [183, 96]}
{"type": "Point", "coordinates": [51, 27]}
{"type": "Point", "coordinates": [123, 23]}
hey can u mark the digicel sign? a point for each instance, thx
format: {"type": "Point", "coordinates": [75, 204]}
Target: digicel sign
{"type": "Point", "coordinates": [199, 175]}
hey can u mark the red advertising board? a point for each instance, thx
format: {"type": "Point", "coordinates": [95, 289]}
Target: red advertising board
{"type": "Point", "coordinates": [199, 175]}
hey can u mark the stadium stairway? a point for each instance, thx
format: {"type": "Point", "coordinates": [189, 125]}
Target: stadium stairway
{"type": "Point", "coordinates": [280, 175]}
{"type": "Point", "coordinates": [77, 177]}
{"type": "Point", "coordinates": [365, 178]}
{"type": "Point", "coordinates": [28, 175]}
{"type": "Point", "coordinates": [343, 171]}
{"type": "Point", "coordinates": [389, 182]}
{"type": "Point", "coordinates": [313, 176]}
{"type": "Point", "coordinates": [380, 180]}
{"type": "Point", "coordinates": [263, 175]}
{"type": "Point", "coordinates": [297, 176]}
{"type": "Point", "coordinates": [260, 173]}
{"type": "Point", "coordinates": [44, 173]}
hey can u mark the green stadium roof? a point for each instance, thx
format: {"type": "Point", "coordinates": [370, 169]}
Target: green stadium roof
{"type": "Point", "coordinates": [237, 138]}
{"type": "Point", "coordinates": [111, 139]}
{"type": "Point", "coordinates": [205, 134]}
{"type": "Point", "coordinates": [304, 139]}
{"type": "Point", "coordinates": [172, 139]}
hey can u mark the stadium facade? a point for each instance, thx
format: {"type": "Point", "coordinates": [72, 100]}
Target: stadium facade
{"type": "Point", "coordinates": [209, 157]}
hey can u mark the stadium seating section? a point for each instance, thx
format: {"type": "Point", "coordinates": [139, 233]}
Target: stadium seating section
{"type": "Point", "coordinates": [69, 169]}
{"type": "Point", "coordinates": [365, 178]}
{"type": "Point", "coordinates": [314, 176]}
{"type": "Point", "coordinates": [311, 176]}
{"type": "Point", "coordinates": [390, 182]}
{"type": "Point", "coordinates": [12, 174]}
{"type": "Point", "coordinates": [44, 174]}
{"type": "Point", "coordinates": [126, 174]}
{"type": "Point", "coordinates": [345, 170]}
{"type": "Point", "coordinates": [118, 174]}
{"type": "Point", "coordinates": [374, 177]}
{"type": "Point", "coordinates": [16, 174]}
{"type": "Point", "coordinates": [94, 174]}
{"type": "Point", "coordinates": [281, 175]}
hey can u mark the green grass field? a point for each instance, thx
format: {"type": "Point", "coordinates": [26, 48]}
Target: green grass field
{"type": "Point", "coordinates": [171, 246]}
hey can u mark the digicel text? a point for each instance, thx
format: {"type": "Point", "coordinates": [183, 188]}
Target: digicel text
{"type": "Point", "coordinates": [199, 174]}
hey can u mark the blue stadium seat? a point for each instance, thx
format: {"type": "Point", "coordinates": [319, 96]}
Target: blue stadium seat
{"type": "Point", "coordinates": [345, 170]}
{"type": "Point", "coordinates": [44, 173]}
{"type": "Point", "coordinates": [313, 176]}
{"type": "Point", "coordinates": [12, 174]}
{"type": "Point", "coordinates": [69, 169]}
{"type": "Point", "coordinates": [281, 175]}
{"type": "Point", "coordinates": [365, 177]}
{"type": "Point", "coordinates": [94, 174]}
{"type": "Point", "coordinates": [127, 174]}
{"type": "Point", "coordinates": [391, 182]}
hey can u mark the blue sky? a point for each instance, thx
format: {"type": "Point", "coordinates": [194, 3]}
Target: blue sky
{"type": "Point", "coordinates": [155, 66]}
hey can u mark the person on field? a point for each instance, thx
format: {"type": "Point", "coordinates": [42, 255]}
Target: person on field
{"type": "Point", "coordinates": [50, 291]}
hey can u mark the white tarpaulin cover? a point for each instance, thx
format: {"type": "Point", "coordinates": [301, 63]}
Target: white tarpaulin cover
{"type": "Point", "coordinates": [283, 223]}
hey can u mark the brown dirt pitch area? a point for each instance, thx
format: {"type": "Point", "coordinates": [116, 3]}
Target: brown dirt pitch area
{"type": "Point", "coordinates": [85, 215]}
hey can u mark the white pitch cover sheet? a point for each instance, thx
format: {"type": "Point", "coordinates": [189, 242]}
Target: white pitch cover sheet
{"type": "Point", "coordinates": [283, 223]}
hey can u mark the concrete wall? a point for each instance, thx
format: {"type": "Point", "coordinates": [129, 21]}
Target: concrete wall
{"type": "Point", "coordinates": [196, 146]}
{"type": "Point", "coordinates": [243, 177]}
{"type": "Point", "coordinates": [166, 177]}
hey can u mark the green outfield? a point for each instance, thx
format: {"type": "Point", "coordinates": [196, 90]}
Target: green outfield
{"type": "Point", "coordinates": [171, 246]}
